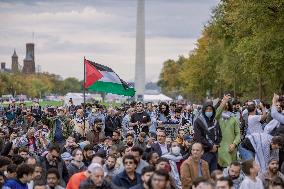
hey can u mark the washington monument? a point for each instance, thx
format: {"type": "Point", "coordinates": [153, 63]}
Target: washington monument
{"type": "Point", "coordinates": [140, 50]}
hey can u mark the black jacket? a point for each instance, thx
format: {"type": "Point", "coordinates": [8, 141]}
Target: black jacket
{"type": "Point", "coordinates": [61, 167]}
{"type": "Point", "coordinates": [72, 169]}
{"type": "Point", "coordinates": [111, 124]}
{"type": "Point", "coordinates": [122, 180]}
{"type": "Point", "coordinates": [207, 131]}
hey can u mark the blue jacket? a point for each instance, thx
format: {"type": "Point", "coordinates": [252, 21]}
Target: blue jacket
{"type": "Point", "coordinates": [14, 184]}
{"type": "Point", "coordinates": [122, 180]}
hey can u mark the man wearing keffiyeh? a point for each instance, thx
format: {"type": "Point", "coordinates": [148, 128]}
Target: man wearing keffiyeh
{"type": "Point", "coordinates": [80, 128]}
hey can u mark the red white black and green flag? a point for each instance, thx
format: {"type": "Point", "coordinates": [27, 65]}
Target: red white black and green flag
{"type": "Point", "coordinates": [103, 79]}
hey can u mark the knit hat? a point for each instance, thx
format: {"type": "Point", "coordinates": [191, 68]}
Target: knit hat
{"type": "Point", "coordinates": [66, 156]}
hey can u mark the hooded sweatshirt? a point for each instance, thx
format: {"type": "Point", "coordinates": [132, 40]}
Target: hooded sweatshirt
{"type": "Point", "coordinates": [207, 130]}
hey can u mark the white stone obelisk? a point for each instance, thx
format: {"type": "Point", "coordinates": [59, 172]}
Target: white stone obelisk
{"type": "Point", "coordinates": [140, 50]}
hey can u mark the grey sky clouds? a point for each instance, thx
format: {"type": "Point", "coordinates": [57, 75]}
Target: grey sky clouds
{"type": "Point", "coordinates": [102, 30]}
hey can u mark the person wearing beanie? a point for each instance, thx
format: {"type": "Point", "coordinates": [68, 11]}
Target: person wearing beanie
{"type": "Point", "coordinates": [186, 146]}
{"type": "Point", "coordinates": [66, 157]}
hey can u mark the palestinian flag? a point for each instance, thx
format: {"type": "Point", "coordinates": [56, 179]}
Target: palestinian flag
{"type": "Point", "coordinates": [103, 79]}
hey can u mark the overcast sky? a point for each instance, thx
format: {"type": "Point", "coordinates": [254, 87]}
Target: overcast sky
{"type": "Point", "coordinates": [102, 30]}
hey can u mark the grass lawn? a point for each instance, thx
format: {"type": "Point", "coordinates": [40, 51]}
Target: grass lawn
{"type": "Point", "coordinates": [42, 103]}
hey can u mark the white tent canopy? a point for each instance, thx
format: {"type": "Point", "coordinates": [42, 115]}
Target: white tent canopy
{"type": "Point", "coordinates": [156, 98]}
{"type": "Point", "coordinates": [76, 97]}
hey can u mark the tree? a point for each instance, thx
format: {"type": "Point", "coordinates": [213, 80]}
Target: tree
{"type": "Point", "coordinates": [37, 85]}
{"type": "Point", "coordinates": [240, 51]}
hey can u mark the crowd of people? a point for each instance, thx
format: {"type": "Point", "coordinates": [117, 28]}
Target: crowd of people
{"type": "Point", "coordinates": [223, 144]}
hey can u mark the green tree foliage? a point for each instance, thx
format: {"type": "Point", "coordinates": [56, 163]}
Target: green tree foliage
{"type": "Point", "coordinates": [241, 51]}
{"type": "Point", "coordinates": [169, 80]}
{"type": "Point", "coordinates": [37, 85]}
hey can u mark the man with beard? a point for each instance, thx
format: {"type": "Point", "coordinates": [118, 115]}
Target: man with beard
{"type": "Point", "coordinates": [141, 141]}
{"type": "Point", "coordinates": [96, 133]}
{"type": "Point", "coordinates": [88, 154]}
{"type": "Point", "coordinates": [129, 140]}
{"type": "Point", "coordinates": [237, 110]}
{"type": "Point", "coordinates": [96, 114]}
{"type": "Point", "coordinates": [272, 172]}
{"type": "Point", "coordinates": [52, 179]}
{"type": "Point", "coordinates": [109, 167]}
{"type": "Point", "coordinates": [52, 160]}
{"type": "Point", "coordinates": [146, 174]}
{"type": "Point", "coordinates": [37, 176]}
{"type": "Point", "coordinates": [140, 120]}
{"type": "Point", "coordinates": [116, 139]}
{"type": "Point", "coordinates": [24, 153]}
{"type": "Point", "coordinates": [112, 122]}
{"type": "Point", "coordinates": [138, 153]}
{"type": "Point", "coordinates": [235, 173]}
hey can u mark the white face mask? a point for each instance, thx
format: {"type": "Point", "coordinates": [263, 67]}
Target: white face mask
{"type": "Point", "coordinates": [176, 150]}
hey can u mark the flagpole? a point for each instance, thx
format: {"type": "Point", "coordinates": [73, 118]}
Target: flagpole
{"type": "Point", "coordinates": [84, 94]}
